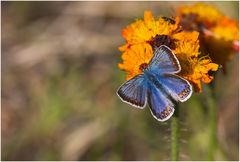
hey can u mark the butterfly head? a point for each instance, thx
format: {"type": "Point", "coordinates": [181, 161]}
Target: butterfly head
{"type": "Point", "coordinates": [143, 67]}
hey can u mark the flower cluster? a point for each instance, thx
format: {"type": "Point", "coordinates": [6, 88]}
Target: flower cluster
{"type": "Point", "coordinates": [219, 35]}
{"type": "Point", "coordinates": [143, 35]}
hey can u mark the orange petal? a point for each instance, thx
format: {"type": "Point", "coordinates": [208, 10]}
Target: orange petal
{"type": "Point", "coordinates": [148, 16]}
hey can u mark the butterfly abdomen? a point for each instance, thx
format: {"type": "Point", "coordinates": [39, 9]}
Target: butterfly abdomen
{"type": "Point", "coordinates": [152, 79]}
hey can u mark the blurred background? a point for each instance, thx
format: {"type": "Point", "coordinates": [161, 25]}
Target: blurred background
{"type": "Point", "coordinates": [59, 78]}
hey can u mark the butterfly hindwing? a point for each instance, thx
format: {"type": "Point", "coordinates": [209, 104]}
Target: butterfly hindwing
{"type": "Point", "coordinates": [179, 88]}
{"type": "Point", "coordinates": [161, 107]}
{"type": "Point", "coordinates": [134, 91]}
{"type": "Point", "coordinates": [164, 61]}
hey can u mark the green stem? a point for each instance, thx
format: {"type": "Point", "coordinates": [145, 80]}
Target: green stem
{"type": "Point", "coordinates": [212, 126]}
{"type": "Point", "coordinates": [174, 135]}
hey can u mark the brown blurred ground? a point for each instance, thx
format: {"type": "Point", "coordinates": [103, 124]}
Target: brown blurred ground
{"type": "Point", "coordinates": [59, 77]}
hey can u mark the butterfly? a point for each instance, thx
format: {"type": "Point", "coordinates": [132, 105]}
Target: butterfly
{"type": "Point", "coordinates": [158, 85]}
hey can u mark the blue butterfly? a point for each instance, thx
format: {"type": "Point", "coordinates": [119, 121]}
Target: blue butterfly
{"type": "Point", "coordinates": [159, 86]}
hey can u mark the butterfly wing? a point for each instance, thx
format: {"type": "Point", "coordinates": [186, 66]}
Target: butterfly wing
{"type": "Point", "coordinates": [160, 105]}
{"type": "Point", "coordinates": [179, 88]}
{"type": "Point", "coordinates": [164, 61]}
{"type": "Point", "coordinates": [134, 91]}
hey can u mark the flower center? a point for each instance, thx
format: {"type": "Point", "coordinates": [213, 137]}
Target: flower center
{"type": "Point", "coordinates": [143, 66]}
{"type": "Point", "coordinates": [159, 40]}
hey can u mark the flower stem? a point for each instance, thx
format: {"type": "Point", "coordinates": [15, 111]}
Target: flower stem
{"type": "Point", "coordinates": [174, 135]}
{"type": "Point", "coordinates": [212, 125]}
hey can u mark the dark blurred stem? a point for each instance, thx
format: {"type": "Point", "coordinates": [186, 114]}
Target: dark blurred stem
{"type": "Point", "coordinates": [212, 123]}
{"type": "Point", "coordinates": [174, 135]}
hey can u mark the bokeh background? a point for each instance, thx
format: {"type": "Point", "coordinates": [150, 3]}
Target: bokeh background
{"type": "Point", "coordinates": [59, 78]}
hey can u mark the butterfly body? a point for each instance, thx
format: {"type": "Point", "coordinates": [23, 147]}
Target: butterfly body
{"type": "Point", "coordinates": [158, 85]}
{"type": "Point", "coordinates": [155, 81]}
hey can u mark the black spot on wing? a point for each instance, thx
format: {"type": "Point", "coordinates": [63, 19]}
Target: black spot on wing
{"type": "Point", "coordinates": [166, 112]}
{"type": "Point", "coordinates": [185, 92]}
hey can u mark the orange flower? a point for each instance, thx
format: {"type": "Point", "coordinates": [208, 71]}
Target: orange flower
{"type": "Point", "coordinates": [200, 72]}
{"type": "Point", "coordinates": [209, 18]}
{"type": "Point", "coordinates": [219, 35]}
{"type": "Point", "coordinates": [144, 30]}
{"type": "Point", "coordinates": [201, 12]}
{"type": "Point", "coordinates": [142, 35]}
{"type": "Point", "coordinates": [226, 29]}
{"type": "Point", "coordinates": [133, 57]}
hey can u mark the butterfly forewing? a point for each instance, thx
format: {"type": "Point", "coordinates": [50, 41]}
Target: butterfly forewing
{"type": "Point", "coordinates": [164, 61]}
{"type": "Point", "coordinates": [134, 91]}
